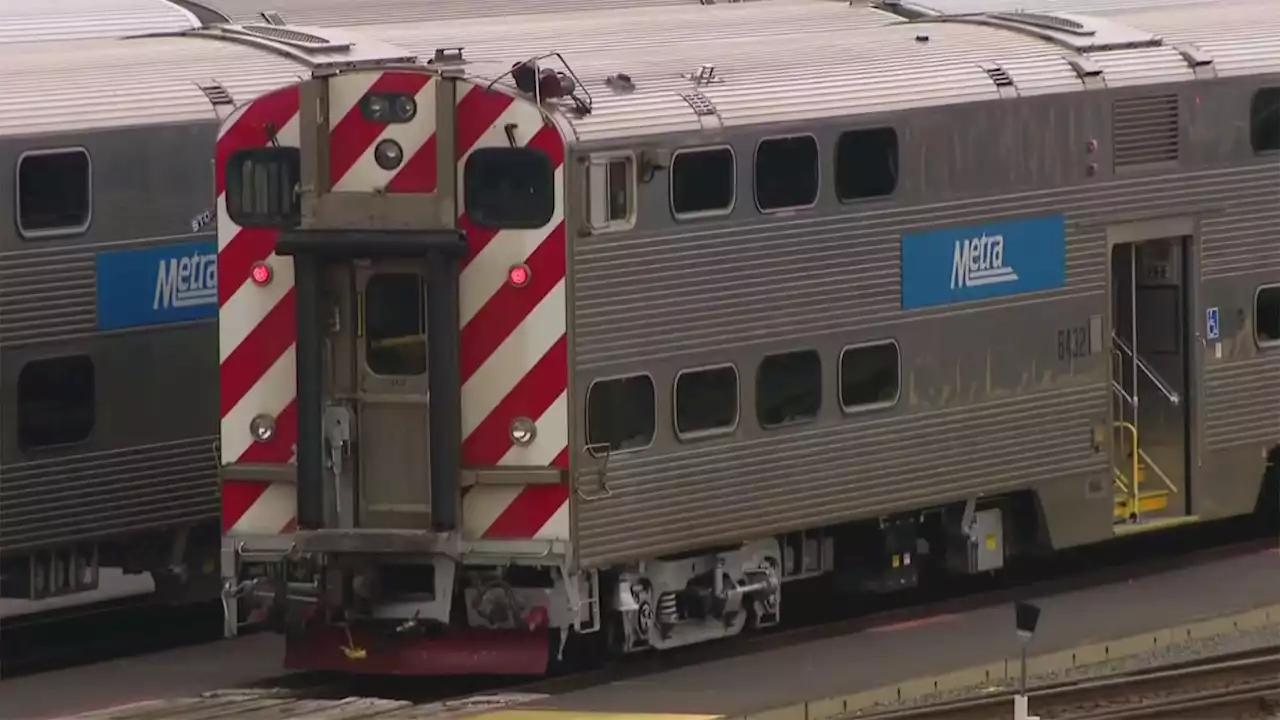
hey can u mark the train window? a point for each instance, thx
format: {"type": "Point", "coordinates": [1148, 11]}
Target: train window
{"type": "Point", "coordinates": [56, 401]}
{"type": "Point", "coordinates": [611, 191]}
{"type": "Point", "coordinates": [703, 182]}
{"type": "Point", "coordinates": [1266, 315]}
{"type": "Point", "coordinates": [869, 376]}
{"type": "Point", "coordinates": [786, 174]}
{"type": "Point", "coordinates": [789, 388]}
{"type": "Point", "coordinates": [622, 414]}
{"type": "Point", "coordinates": [866, 164]}
{"type": "Point", "coordinates": [1264, 115]}
{"type": "Point", "coordinates": [262, 187]}
{"type": "Point", "coordinates": [706, 401]}
{"type": "Point", "coordinates": [509, 187]}
{"type": "Point", "coordinates": [55, 192]}
{"type": "Point", "coordinates": [395, 324]}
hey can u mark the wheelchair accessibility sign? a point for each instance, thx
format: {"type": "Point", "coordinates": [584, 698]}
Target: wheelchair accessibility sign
{"type": "Point", "coordinates": [1211, 329]}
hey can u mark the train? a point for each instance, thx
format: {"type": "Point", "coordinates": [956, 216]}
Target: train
{"type": "Point", "coordinates": [602, 326]}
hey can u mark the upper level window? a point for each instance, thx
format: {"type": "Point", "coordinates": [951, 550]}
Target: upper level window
{"type": "Point", "coordinates": [506, 187]}
{"type": "Point", "coordinates": [1266, 315]}
{"type": "Point", "coordinates": [262, 187]}
{"type": "Point", "coordinates": [786, 174]}
{"type": "Point", "coordinates": [703, 182]}
{"type": "Point", "coordinates": [56, 401]}
{"type": "Point", "coordinates": [611, 191]}
{"type": "Point", "coordinates": [395, 324]}
{"type": "Point", "coordinates": [869, 376]}
{"type": "Point", "coordinates": [621, 414]}
{"type": "Point", "coordinates": [55, 193]}
{"type": "Point", "coordinates": [789, 388]}
{"type": "Point", "coordinates": [706, 401]}
{"type": "Point", "coordinates": [1264, 120]}
{"type": "Point", "coordinates": [866, 163]}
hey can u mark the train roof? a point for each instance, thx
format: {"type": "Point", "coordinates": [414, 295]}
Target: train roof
{"type": "Point", "coordinates": [782, 63]}
{"type": "Point", "coordinates": [37, 21]}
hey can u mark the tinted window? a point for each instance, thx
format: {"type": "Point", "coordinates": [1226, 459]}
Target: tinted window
{"type": "Point", "coordinates": [869, 375]}
{"type": "Point", "coordinates": [1266, 315]}
{"type": "Point", "coordinates": [509, 188]}
{"type": "Point", "coordinates": [54, 192]}
{"type": "Point", "coordinates": [787, 173]}
{"type": "Point", "coordinates": [706, 400]}
{"type": "Point", "coordinates": [702, 181]}
{"type": "Point", "coordinates": [789, 388]}
{"type": "Point", "coordinates": [866, 163]}
{"type": "Point", "coordinates": [395, 324]}
{"type": "Point", "coordinates": [262, 187]}
{"type": "Point", "coordinates": [1264, 120]}
{"type": "Point", "coordinates": [621, 414]}
{"type": "Point", "coordinates": [56, 403]}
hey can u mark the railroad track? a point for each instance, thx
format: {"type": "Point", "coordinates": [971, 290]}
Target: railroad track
{"type": "Point", "coordinates": [1230, 685]}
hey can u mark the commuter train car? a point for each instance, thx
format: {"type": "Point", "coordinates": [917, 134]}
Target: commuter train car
{"type": "Point", "coordinates": [106, 456]}
{"type": "Point", "coordinates": [625, 336]}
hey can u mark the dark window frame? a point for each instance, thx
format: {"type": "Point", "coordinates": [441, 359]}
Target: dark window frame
{"type": "Point", "coordinates": [20, 413]}
{"type": "Point", "coordinates": [806, 420]}
{"type": "Point", "coordinates": [895, 160]}
{"type": "Point", "coordinates": [1257, 295]}
{"type": "Point", "coordinates": [704, 433]}
{"type": "Point", "coordinates": [702, 214]}
{"type": "Point", "coordinates": [606, 160]}
{"type": "Point", "coordinates": [370, 351]}
{"type": "Point", "coordinates": [58, 231]}
{"type": "Point", "coordinates": [233, 183]}
{"type": "Point", "coordinates": [520, 224]}
{"type": "Point", "coordinates": [817, 174]}
{"type": "Point", "coordinates": [1272, 96]}
{"type": "Point", "coordinates": [868, 407]}
{"type": "Point", "coordinates": [586, 415]}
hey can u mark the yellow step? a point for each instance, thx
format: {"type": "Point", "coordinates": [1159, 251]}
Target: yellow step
{"type": "Point", "coordinates": [1153, 501]}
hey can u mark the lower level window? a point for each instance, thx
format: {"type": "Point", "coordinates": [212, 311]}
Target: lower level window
{"type": "Point", "coordinates": [1266, 315]}
{"type": "Point", "coordinates": [56, 403]}
{"type": "Point", "coordinates": [706, 401]}
{"type": "Point", "coordinates": [869, 376]}
{"type": "Point", "coordinates": [621, 414]}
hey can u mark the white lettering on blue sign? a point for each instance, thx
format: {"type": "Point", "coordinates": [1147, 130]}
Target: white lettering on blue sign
{"type": "Point", "coordinates": [980, 261]}
{"type": "Point", "coordinates": [1211, 329]}
{"type": "Point", "coordinates": [187, 282]}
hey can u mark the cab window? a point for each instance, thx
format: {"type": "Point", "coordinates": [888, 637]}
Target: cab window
{"type": "Point", "coordinates": [507, 187]}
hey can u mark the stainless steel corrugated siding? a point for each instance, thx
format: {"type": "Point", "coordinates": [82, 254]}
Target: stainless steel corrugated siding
{"type": "Point", "coordinates": [37, 21]}
{"type": "Point", "coordinates": [795, 279]}
{"type": "Point", "coordinates": [1242, 36]}
{"type": "Point", "coordinates": [1091, 7]}
{"type": "Point", "coordinates": [340, 13]}
{"type": "Point", "coordinates": [106, 493]}
{"type": "Point", "coordinates": [101, 84]}
{"type": "Point", "coordinates": [46, 295]}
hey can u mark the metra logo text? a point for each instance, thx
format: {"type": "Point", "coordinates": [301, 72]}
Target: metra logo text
{"type": "Point", "coordinates": [187, 282]}
{"type": "Point", "coordinates": [980, 261]}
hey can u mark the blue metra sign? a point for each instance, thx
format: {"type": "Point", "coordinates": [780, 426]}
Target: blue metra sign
{"type": "Point", "coordinates": [977, 262]}
{"type": "Point", "coordinates": [157, 285]}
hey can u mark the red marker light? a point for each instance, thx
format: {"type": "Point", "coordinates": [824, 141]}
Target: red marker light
{"type": "Point", "coordinates": [261, 273]}
{"type": "Point", "coordinates": [518, 275]}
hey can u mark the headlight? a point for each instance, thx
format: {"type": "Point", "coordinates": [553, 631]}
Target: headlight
{"type": "Point", "coordinates": [262, 428]}
{"type": "Point", "coordinates": [523, 431]}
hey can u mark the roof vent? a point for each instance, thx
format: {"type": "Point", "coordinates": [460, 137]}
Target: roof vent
{"type": "Point", "coordinates": [1040, 20]}
{"type": "Point", "coordinates": [1145, 131]}
{"type": "Point", "coordinates": [216, 93]}
{"type": "Point", "coordinates": [293, 38]}
{"type": "Point", "coordinates": [273, 18]}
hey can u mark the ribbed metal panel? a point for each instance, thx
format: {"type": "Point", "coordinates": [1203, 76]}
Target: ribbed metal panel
{"type": "Point", "coordinates": [1145, 131]}
{"type": "Point", "coordinates": [46, 295]}
{"type": "Point", "coordinates": [340, 13]}
{"type": "Point", "coordinates": [31, 21]}
{"type": "Point", "coordinates": [120, 83]}
{"type": "Point", "coordinates": [100, 494]}
{"type": "Point", "coordinates": [1244, 242]}
{"type": "Point", "coordinates": [1240, 401]}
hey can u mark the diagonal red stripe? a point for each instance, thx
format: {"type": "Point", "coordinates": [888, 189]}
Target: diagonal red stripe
{"type": "Point", "coordinates": [353, 134]}
{"type": "Point", "coordinates": [528, 512]}
{"type": "Point", "coordinates": [237, 497]}
{"type": "Point", "coordinates": [562, 460]}
{"type": "Point", "coordinates": [235, 261]}
{"type": "Point", "coordinates": [547, 139]}
{"type": "Point", "coordinates": [419, 172]}
{"type": "Point", "coordinates": [477, 112]}
{"type": "Point", "coordinates": [510, 306]}
{"type": "Point", "coordinates": [260, 350]}
{"type": "Point", "coordinates": [530, 398]}
{"type": "Point", "coordinates": [249, 130]}
{"type": "Point", "coordinates": [280, 448]}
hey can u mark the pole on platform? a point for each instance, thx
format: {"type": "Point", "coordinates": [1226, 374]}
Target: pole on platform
{"type": "Point", "coordinates": [1026, 617]}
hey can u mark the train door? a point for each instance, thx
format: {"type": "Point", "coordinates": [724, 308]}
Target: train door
{"type": "Point", "coordinates": [1150, 373]}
